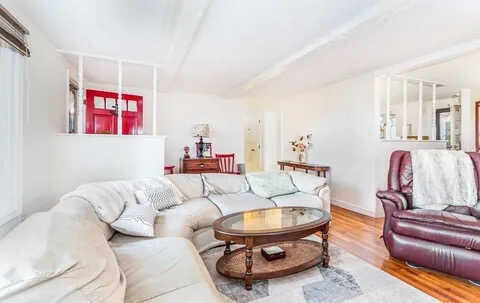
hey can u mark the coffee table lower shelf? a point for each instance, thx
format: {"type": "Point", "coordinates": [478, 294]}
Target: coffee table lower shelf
{"type": "Point", "coordinates": [299, 255]}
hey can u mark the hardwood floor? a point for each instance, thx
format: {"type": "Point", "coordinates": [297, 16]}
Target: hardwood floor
{"type": "Point", "coordinates": [360, 235]}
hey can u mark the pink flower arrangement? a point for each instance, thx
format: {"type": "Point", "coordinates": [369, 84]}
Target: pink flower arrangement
{"type": "Point", "coordinates": [302, 144]}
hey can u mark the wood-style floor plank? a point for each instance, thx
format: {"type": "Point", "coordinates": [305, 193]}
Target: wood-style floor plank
{"type": "Point", "coordinates": [360, 235]}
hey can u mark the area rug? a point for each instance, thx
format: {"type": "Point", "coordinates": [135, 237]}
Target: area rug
{"type": "Point", "coordinates": [348, 279]}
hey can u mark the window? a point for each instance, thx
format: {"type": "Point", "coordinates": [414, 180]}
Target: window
{"type": "Point", "coordinates": [13, 50]}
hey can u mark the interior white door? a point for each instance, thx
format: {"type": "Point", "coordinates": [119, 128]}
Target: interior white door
{"type": "Point", "coordinates": [272, 138]}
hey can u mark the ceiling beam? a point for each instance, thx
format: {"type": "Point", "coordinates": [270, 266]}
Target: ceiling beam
{"type": "Point", "coordinates": [377, 12]}
{"type": "Point", "coordinates": [186, 34]}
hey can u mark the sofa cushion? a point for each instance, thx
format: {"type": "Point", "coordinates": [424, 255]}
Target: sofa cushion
{"type": "Point", "coordinates": [232, 203]}
{"type": "Point", "coordinates": [271, 184]}
{"type": "Point", "coordinates": [224, 184]}
{"type": "Point", "coordinates": [308, 183]}
{"type": "Point", "coordinates": [83, 210]}
{"type": "Point", "coordinates": [439, 227]}
{"type": "Point", "coordinates": [439, 219]}
{"type": "Point", "coordinates": [298, 199]}
{"type": "Point", "coordinates": [189, 185]}
{"type": "Point", "coordinates": [107, 198]}
{"type": "Point", "coordinates": [63, 258]}
{"type": "Point", "coordinates": [160, 267]}
{"type": "Point", "coordinates": [136, 220]}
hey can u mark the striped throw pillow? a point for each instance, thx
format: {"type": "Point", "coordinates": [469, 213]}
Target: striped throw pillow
{"type": "Point", "coordinates": [161, 197]}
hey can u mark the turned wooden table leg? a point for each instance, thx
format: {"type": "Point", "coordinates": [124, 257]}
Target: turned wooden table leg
{"type": "Point", "coordinates": [248, 264]}
{"type": "Point", "coordinates": [227, 248]}
{"type": "Point", "coordinates": [325, 256]}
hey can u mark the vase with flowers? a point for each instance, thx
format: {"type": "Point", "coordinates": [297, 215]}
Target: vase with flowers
{"type": "Point", "coordinates": [301, 145]}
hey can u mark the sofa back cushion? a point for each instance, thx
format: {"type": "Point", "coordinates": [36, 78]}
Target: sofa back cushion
{"type": "Point", "coordinates": [220, 184]}
{"type": "Point", "coordinates": [308, 183]}
{"type": "Point", "coordinates": [190, 186]}
{"type": "Point", "coordinates": [271, 184]}
{"type": "Point", "coordinates": [58, 257]}
{"type": "Point", "coordinates": [83, 210]}
{"type": "Point", "coordinates": [107, 198]}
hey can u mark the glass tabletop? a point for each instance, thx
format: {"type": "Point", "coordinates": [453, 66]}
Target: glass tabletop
{"type": "Point", "coordinates": [273, 219]}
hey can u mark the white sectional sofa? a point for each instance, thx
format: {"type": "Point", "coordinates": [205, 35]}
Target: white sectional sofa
{"type": "Point", "coordinates": [71, 253]}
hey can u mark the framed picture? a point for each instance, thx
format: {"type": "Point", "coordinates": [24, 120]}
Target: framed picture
{"type": "Point", "coordinates": [207, 150]}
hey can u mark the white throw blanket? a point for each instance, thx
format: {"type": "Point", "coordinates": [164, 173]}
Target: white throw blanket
{"type": "Point", "coordinates": [442, 178]}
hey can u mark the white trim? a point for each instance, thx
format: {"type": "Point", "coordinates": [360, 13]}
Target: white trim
{"type": "Point", "coordinates": [388, 123]}
{"type": "Point", "coordinates": [405, 112]}
{"type": "Point", "coordinates": [80, 115]}
{"type": "Point", "coordinates": [154, 103]}
{"type": "Point", "coordinates": [412, 140]}
{"type": "Point", "coordinates": [89, 55]}
{"type": "Point", "coordinates": [353, 207]}
{"type": "Point", "coordinates": [112, 136]}
{"type": "Point", "coordinates": [434, 110]}
{"type": "Point", "coordinates": [119, 100]}
{"type": "Point", "coordinates": [420, 112]}
{"type": "Point", "coordinates": [67, 99]}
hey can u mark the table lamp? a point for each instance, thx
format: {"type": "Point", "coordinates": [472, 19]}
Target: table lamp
{"type": "Point", "coordinates": [200, 130]}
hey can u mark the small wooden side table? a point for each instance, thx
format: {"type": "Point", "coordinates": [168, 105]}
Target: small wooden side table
{"type": "Point", "coordinates": [320, 169]}
{"type": "Point", "coordinates": [199, 165]}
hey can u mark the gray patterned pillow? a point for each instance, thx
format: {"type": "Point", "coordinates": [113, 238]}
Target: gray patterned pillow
{"type": "Point", "coordinates": [136, 220]}
{"type": "Point", "coordinates": [161, 197]}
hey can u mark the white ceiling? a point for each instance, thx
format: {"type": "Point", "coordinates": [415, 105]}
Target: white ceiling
{"type": "Point", "coordinates": [252, 46]}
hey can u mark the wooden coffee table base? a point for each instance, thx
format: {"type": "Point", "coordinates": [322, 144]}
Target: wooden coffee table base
{"type": "Point", "coordinates": [300, 255]}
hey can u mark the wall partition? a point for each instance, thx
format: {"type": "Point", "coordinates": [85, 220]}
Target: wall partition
{"type": "Point", "coordinates": [411, 109]}
{"type": "Point", "coordinates": [114, 74]}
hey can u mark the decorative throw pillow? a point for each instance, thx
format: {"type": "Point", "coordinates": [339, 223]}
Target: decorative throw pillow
{"type": "Point", "coordinates": [307, 183]}
{"type": "Point", "coordinates": [158, 197]}
{"type": "Point", "coordinates": [271, 184]}
{"type": "Point", "coordinates": [136, 220]}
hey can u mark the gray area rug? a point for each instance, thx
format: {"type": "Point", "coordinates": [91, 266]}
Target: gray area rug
{"type": "Point", "coordinates": [348, 279]}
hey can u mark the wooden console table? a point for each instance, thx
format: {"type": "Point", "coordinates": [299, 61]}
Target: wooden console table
{"type": "Point", "coordinates": [321, 170]}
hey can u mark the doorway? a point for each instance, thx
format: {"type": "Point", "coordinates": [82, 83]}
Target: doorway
{"type": "Point", "coordinates": [102, 113]}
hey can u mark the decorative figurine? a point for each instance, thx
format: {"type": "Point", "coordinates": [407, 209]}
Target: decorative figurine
{"type": "Point", "coordinates": [187, 150]}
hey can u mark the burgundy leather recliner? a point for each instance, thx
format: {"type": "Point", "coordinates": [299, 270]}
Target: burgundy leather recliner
{"type": "Point", "coordinates": [448, 240]}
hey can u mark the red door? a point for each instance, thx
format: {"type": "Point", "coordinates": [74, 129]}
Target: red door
{"type": "Point", "coordinates": [101, 115]}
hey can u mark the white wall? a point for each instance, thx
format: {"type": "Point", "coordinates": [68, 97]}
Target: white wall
{"type": "Point", "coordinates": [341, 117]}
{"type": "Point", "coordinates": [272, 140]}
{"type": "Point", "coordinates": [83, 159]}
{"type": "Point", "coordinates": [178, 112]}
{"type": "Point", "coordinates": [44, 115]}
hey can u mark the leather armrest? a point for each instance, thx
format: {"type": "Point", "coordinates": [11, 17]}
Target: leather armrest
{"type": "Point", "coordinates": [475, 211]}
{"type": "Point", "coordinates": [392, 201]}
{"type": "Point", "coordinates": [397, 198]}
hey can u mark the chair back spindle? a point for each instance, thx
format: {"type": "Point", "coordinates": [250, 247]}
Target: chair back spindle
{"type": "Point", "coordinates": [227, 163]}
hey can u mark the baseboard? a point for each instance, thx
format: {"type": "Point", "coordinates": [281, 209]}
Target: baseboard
{"type": "Point", "coordinates": [353, 207]}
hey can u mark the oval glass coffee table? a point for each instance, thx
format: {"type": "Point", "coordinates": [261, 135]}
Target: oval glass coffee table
{"type": "Point", "coordinates": [280, 226]}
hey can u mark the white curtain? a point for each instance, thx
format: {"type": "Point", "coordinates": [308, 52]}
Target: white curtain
{"type": "Point", "coordinates": [12, 95]}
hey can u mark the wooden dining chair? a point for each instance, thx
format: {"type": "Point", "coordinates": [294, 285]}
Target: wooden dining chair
{"type": "Point", "coordinates": [227, 163]}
